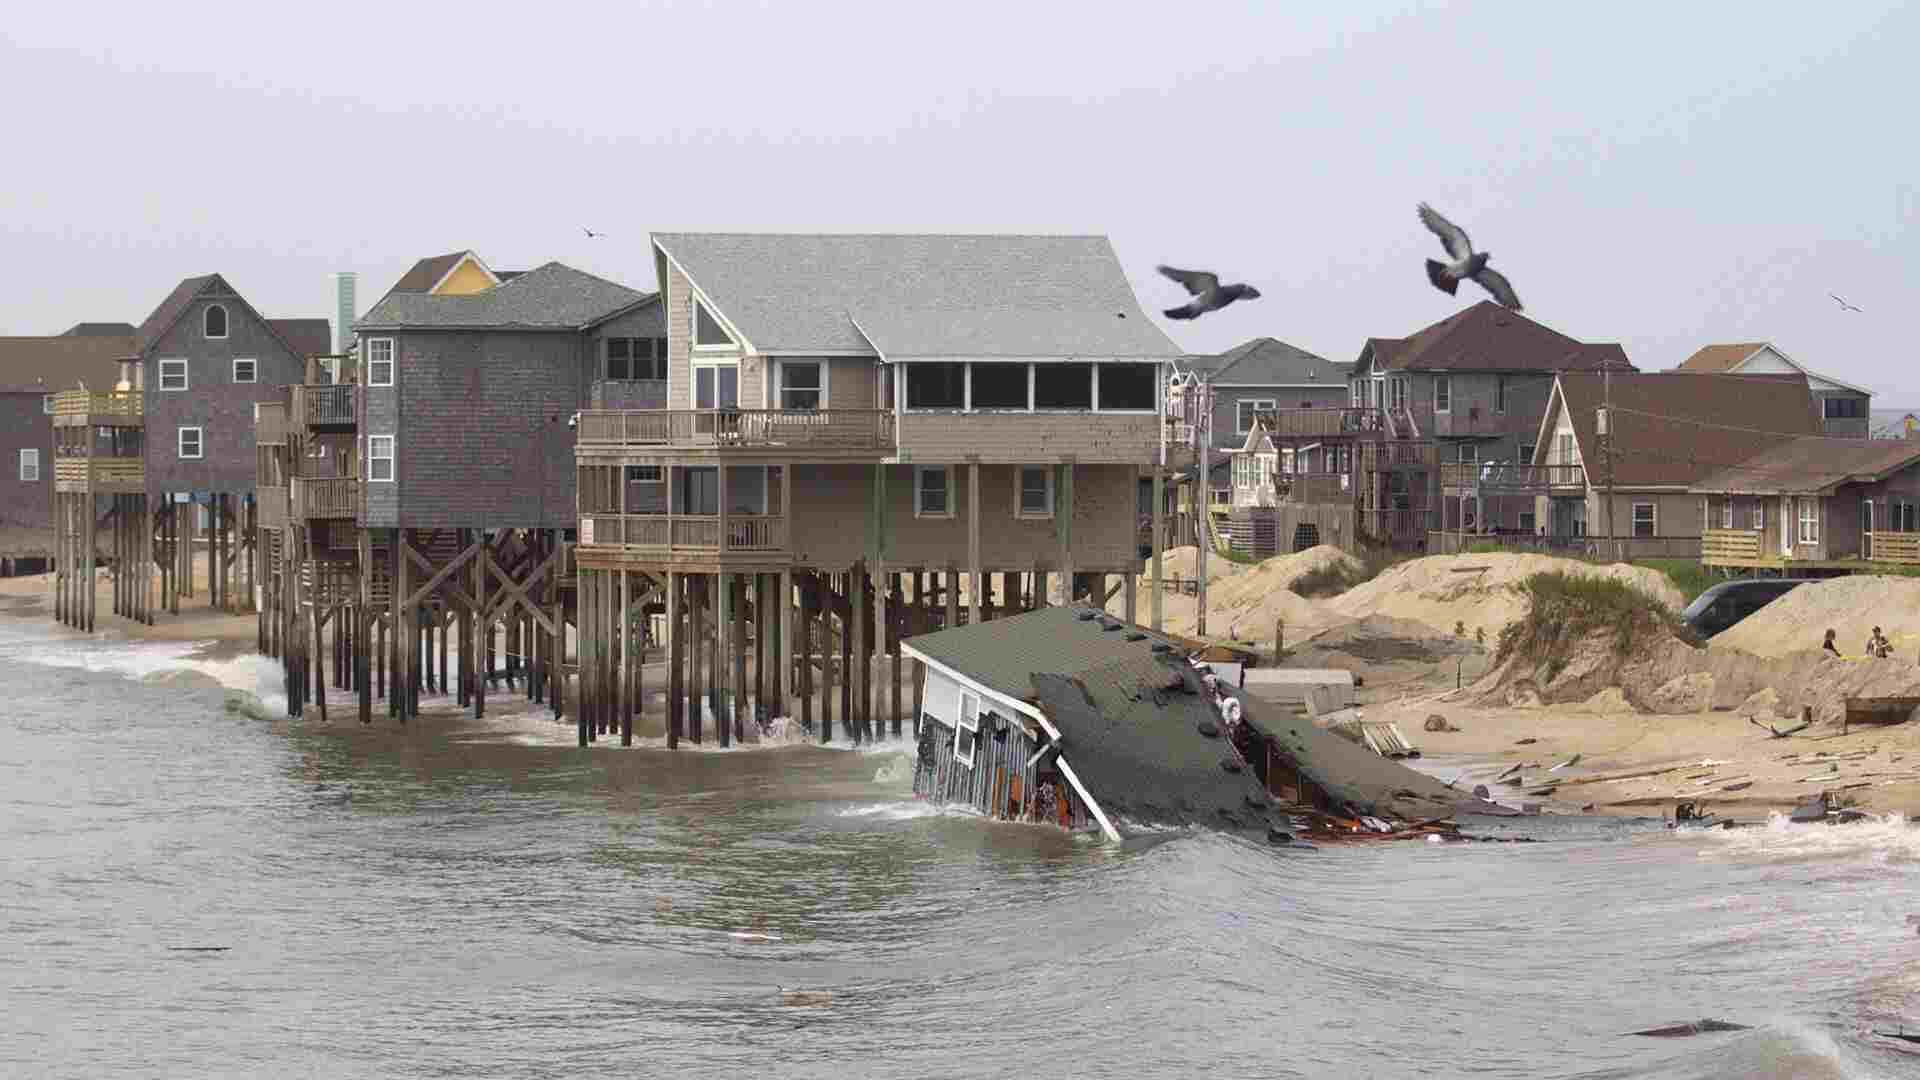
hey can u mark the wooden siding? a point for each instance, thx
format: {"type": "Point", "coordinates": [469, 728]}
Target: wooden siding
{"type": "Point", "coordinates": [1004, 438]}
{"type": "Point", "coordinates": [998, 782]}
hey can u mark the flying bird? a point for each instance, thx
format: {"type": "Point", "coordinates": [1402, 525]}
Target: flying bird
{"type": "Point", "coordinates": [1207, 292]}
{"type": "Point", "coordinates": [591, 235]}
{"type": "Point", "coordinates": [1844, 306]}
{"type": "Point", "coordinates": [1467, 263]}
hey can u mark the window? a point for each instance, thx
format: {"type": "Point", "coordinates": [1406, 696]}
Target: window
{"type": "Point", "coordinates": [30, 466]}
{"type": "Point", "coordinates": [46, 404]}
{"type": "Point", "coordinates": [802, 385]}
{"type": "Point", "coordinates": [380, 362]}
{"type": "Point", "coordinates": [1726, 512]}
{"type": "Point", "coordinates": [1469, 453]}
{"type": "Point", "coordinates": [1569, 452]}
{"type": "Point", "coordinates": [1036, 492]}
{"type": "Point", "coordinates": [1809, 521]}
{"type": "Point", "coordinates": [707, 331]}
{"type": "Point", "coordinates": [192, 443]}
{"type": "Point", "coordinates": [716, 386]}
{"type": "Point", "coordinates": [967, 735]}
{"type": "Point", "coordinates": [1000, 386]}
{"type": "Point", "coordinates": [1527, 524]}
{"type": "Point", "coordinates": [1644, 522]}
{"type": "Point", "coordinates": [173, 374]}
{"type": "Point", "coordinates": [1846, 408]}
{"type": "Point", "coordinates": [1244, 410]}
{"type": "Point", "coordinates": [246, 371]}
{"type": "Point", "coordinates": [1866, 515]}
{"type": "Point", "coordinates": [936, 386]}
{"type": "Point", "coordinates": [635, 359]}
{"type": "Point", "coordinates": [380, 458]}
{"type": "Point", "coordinates": [1526, 453]}
{"type": "Point", "coordinates": [645, 474]}
{"type": "Point", "coordinates": [1499, 393]}
{"type": "Point", "coordinates": [1063, 386]}
{"type": "Point", "coordinates": [1759, 514]}
{"type": "Point", "coordinates": [213, 321]}
{"type": "Point", "coordinates": [1399, 385]}
{"type": "Point", "coordinates": [1442, 393]}
{"type": "Point", "coordinates": [932, 491]}
{"type": "Point", "coordinates": [1128, 386]}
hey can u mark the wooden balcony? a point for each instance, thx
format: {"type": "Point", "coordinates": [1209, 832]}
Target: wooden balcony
{"type": "Point", "coordinates": [1503, 478]}
{"type": "Point", "coordinates": [1313, 487]}
{"type": "Point", "coordinates": [1324, 423]}
{"type": "Point", "coordinates": [683, 539]}
{"type": "Point", "coordinates": [326, 497]}
{"type": "Point", "coordinates": [855, 430]}
{"type": "Point", "coordinates": [270, 424]}
{"type": "Point", "coordinates": [327, 405]}
{"type": "Point", "coordinates": [1467, 418]}
{"type": "Point", "coordinates": [94, 408]}
{"type": "Point", "coordinates": [100, 475]}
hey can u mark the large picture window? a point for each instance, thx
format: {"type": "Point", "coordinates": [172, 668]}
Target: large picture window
{"type": "Point", "coordinates": [936, 386]}
{"type": "Point", "coordinates": [1063, 386]}
{"type": "Point", "coordinates": [1000, 386]}
{"type": "Point", "coordinates": [1129, 386]}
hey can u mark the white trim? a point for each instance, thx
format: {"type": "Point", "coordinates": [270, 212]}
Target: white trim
{"type": "Point", "coordinates": [1341, 386]}
{"type": "Point", "coordinates": [920, 471]}
{"type": "Point", "coordinates": [24, 451]}
{"type": "Point", "coordinates": [778, 393]}
{"type": "Point", "coordinates": [46, 404]}
{"type": "Point", "coordinates": [226, 319]}
{"type": "Point", "coordinates": [255, 372]}
{"type": "Point", "coordinates": [465, 257]}
{"type": "Point", "coordinates": [694, 366]}
{"type": "Point", "coordinates": [1021, 707]}
{"type": "Point", "coordinates": [1439, 381]}
{"type": "Point", "coordinates": [1019, 492]}
{"type": "Point", "coordinates": [746, 346]}
{"type": "Point", "coordinates": [199, 439]}
{"type": "Point", "coordinates": [186, 382]}
{"type": "Point", "coordinates": [1633, 519]}
{"type": "Point", "coordinates": [912, 358]}
{"type": "Point", "coordinates": [1272, 405]}
{"type": "Point", "coordinates": [392, 361]}
{"type": "Point", "coordinates": [970, 725]}
{"type": "Point", "coordinates": [1768, 346]}
{"type": "Point", "coordinates": [392, 459]}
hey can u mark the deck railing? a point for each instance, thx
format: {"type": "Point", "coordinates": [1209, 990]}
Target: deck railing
{"type": "Point", "coordinates": [100, 405]}
{"type": "Point", "coordinates": [1717, 545]}
{"type": "Point", "coordinates": [1323, 422]}
{"type": "Point", "coordinates": [1899, 548]}
{"type": "Point", "coordinates": [685, 533]}
{"type": "Point", "coordinates": [850, 429]}
{"type": "Point", "coordinates": [1508, 477]}
{"type": "Point", "coordinates": [328, 404]}
{"type": "Point", "coordinates": [1597, 547]}
{"type": "Point", "coordinates": [331, 497]}
{"type": "Point", "coordinates": [100, 472]}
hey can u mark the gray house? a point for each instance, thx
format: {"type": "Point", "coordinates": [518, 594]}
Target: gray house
{"type": "Point", "coordinates": [1845, 409]}
{"type": "Point", "coordinates": [32, 370]}
{"type": "Point", "coordinates": [1263, 375]}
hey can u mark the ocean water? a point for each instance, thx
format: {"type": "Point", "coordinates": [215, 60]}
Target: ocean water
{"type": "Point", "coordinates": [459, 899]}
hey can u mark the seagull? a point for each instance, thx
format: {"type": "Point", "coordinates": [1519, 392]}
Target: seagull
{"type": "Point", "coordinates": [591, 235]}
{"type": "Point", "coordinates": [1466, 262]}
{"type": "Point", "coordinates": [1208, 294]}
{"type": "Point", "coordinates": [1844, 306]}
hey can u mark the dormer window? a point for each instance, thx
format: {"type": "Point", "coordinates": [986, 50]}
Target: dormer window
{"type": "Point", "coordinates": [707, 331]}
{"type": "Point", "coordinates": [214, 321]}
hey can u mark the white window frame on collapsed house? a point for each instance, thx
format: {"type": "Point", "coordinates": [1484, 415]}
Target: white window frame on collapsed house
{"type": "Point", "coordinates": [173, 375]}
{"type": "Point", "coordinates": [790, 393]}
{"type": "Point", "coordinates": [1443, 393]}
{"type": "Point", "coordinates": [29, 465]}
{"type": "Point", "coordinates": [375, 363]}
{"type": "Point", "coordinates": [1807, 513]}
{"type": "Point", "coordinates": [920, 491]}
{"type": "Point", "coordinates": [1244, 409]}
{"type": "Point", "coordinates": [248, 374]}
{"type": "Point", "coordinates": [966, 733]}
{"type": "Point", "coordinates": [380, 450]}
{"type": "Point", "coordinates": [1652, 519]}
{"type": "Point", "coordinates": [199, 443]}
{"type": "Point", "coordinates": [206, 322]}
{"type": "Point", "coordinates": [1021, 489]}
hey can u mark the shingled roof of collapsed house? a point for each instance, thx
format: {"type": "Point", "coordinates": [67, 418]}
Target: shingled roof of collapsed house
{"type": "Point", "coordinates": [917, 296]}
{"type": "Point", "coordinates": [1135, 741]}
{"type": "Point", "coordinates": [550, 297]}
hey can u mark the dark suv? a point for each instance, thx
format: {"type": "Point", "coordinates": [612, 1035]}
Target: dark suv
{"type": "Point", "coordinates": [1730, 601]}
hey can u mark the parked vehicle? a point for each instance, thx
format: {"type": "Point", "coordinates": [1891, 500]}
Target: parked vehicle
{"type": "Point", "coordinates": [1725, 604]}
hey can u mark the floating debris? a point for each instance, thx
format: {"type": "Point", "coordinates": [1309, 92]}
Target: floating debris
{"type": "Point", "coordinates": [1698, 1027]}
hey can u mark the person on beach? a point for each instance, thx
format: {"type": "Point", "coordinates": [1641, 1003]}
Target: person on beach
{"type": "Point", "coordinates": [1880, 646]}
{"type": "Point", "coordinates": [1828, 644]}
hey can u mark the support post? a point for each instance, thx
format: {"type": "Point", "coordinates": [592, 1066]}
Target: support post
{"type": "Point", "coordinates": [1159, 546]}
{"type": "Point", "coordinates": [975, 578]}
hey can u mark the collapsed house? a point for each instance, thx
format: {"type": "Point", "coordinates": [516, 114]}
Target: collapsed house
{"type": "Point", "coordinates": [1068, 716]}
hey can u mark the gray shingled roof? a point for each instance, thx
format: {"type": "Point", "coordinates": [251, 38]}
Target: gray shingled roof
{"type": "Point", "coordinates": [307, 337]}
{"type": "Point", "coordinates": [1009, 332]}
{"type": "Point", "coordinates": [1812, 465]}
{"type": "Point", "coordinates": [1267, 362]}
{"type": "Point", "coordinates": [551, 297]}
{"type": "Point", "coordinates": [800, 292]}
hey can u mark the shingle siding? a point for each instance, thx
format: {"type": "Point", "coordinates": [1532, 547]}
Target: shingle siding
{"type": "Point", "coordinates": [1032, 437]}
{"type": "Point", "coordinates": [1226, 406]}
{"type": "Point", "coordinates": [381, 416]}
{"type": "Point", "coordinates": [24, 425]}
{"type": "Point", "coordinates": [212, 401]}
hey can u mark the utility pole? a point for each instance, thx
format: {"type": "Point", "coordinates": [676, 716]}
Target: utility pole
{"type": "Point", "coordinates": [1603, 426]}
{"type": "Point", "coordinates": [1204, 491]}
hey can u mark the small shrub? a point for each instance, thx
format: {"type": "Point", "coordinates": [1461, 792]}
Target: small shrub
{"type": "Point", "coordinates": [1565, 609]}
{"type": "Point", "coordinates": [1330, 580]}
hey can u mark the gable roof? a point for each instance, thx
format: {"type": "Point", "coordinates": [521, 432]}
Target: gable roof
{"type": "Point", "coordinates": [1812, 465]}
{"type": "Point", "coordinates": [48, 364]}
{"type": "Point", "coordinates": [1730, 357]}
{"type": "Point", "coordinates": [1488, 337]}
{"type": "Point", "coordinates": [99, 329]}
{"type": "Point", "coordinates": [1671, 428]}
{"type": "Point", "coordinates": [1267, 362]}
{"type": "Point", "coordinates": [182, 297]}
{"type": "Point", "coordinates": [433, 269]}
{"type": "Point", "coordinates": [307, 337]}
{"type": "Point", "coordinates": [924, 294]}
{"type": "Point", "coordinates": [550, 297]}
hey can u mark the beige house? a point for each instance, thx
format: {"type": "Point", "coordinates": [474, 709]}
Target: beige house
{"type": "Point", "coordinates": [1815, 504]}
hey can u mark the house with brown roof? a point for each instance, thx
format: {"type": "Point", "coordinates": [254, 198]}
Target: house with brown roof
{"type": "Point", "coordinates": [1815, 504]}
{"type": "Point", "coordinates": [32, 370]}
{"type": "Point", "coordinates": [1845, 409]}
{"type": "Point", "coordinates": [1662, 432]}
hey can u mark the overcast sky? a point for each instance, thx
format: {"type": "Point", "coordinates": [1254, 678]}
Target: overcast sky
{"type": "Point", "coordinates": [1663, 175]}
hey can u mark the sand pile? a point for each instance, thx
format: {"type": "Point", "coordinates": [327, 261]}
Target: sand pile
{"type": "Point", "coordinates": [1441, 590]}
{"type": "Point", "coordinates": [1244, 601]}
{"type": "Point", "coordinates": [1852, 606]}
